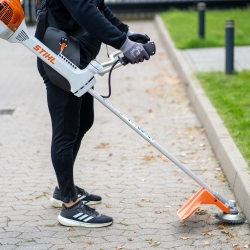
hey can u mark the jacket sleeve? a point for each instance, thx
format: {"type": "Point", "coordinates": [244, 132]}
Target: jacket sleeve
{"type": "Point", "coordinates": [114, 20]}
{"type": "Point", "coordinates": [88, 16]}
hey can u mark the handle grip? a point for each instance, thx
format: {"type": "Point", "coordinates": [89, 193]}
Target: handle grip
{"type": "Point", "coordinates": [143, 41]}
{"type": "Point", "coordinates": [149, 47]}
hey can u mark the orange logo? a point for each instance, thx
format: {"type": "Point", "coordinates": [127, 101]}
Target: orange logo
{"type": "Point", "coordinates": [44, 53]}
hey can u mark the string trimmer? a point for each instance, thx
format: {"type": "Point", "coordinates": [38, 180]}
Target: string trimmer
{"type": "Point", "coordinates": [14, 30]}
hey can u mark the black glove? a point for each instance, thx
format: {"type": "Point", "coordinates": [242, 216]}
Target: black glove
{"type": "Point", "coordinates": [137, 37]}
{"type": "Point", "coordinates": [134, 52]}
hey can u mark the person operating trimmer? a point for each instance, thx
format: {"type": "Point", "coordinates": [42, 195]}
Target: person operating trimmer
{"type": "Point", "coordinates": [91, 23]}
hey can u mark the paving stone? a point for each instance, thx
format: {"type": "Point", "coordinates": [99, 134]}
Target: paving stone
{"type": "Point", "coordinates": [7, 247]}
{"type": "Point", "coordinates": [35, 246]}
{"type": "Point", "coordinates": [9, 234]}
{"type": "Point", "coordinates": [34, 235]}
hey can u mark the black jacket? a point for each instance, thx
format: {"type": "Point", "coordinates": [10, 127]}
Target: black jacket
{"type": "Point", "coordinates": [100, 23]}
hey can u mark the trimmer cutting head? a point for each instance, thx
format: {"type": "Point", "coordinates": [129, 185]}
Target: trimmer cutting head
{"type": "Point", "coordinates": [231, 218]}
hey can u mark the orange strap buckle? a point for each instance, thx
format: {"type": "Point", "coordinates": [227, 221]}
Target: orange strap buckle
{"type": "Point", "coordinates": [203, 196]}
{"type": "Point", "coordinates": [63, 43]}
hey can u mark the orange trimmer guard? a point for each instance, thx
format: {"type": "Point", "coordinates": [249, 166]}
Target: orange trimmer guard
{"type": "Point", "coordinates": [201, 197]}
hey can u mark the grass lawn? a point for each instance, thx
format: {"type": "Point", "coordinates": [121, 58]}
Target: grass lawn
{"type": "Point", "coordinates": [183, 26]}
{"type": "Point", "coordinates": [230, 95]}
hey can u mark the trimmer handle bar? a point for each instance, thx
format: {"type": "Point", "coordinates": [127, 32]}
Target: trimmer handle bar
{"type": "Point", "coordinates": [149, 47]}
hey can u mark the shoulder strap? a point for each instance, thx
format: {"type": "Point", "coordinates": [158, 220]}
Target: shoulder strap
{"type": "Point", "coordinates": [52, 21]}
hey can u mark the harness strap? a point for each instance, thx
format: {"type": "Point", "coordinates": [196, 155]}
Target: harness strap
{"type": "Point", "coordinates": [45, 14]}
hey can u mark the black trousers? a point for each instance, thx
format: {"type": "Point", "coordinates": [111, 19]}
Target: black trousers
{"type": "Point", "coordinates": [71, 118]}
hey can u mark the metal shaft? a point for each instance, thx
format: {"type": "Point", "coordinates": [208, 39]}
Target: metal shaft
{"type": "Point", "coordinates": [155, 144]}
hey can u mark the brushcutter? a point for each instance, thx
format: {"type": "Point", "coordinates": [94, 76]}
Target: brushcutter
{"type": "Point", "coordinates": [14, 30]}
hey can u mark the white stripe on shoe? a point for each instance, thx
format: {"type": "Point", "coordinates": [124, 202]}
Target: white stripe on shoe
{"type": "Point", "coordinates": [87, 219]}
{"type": "Point", "coordinates": [77, 215]}
{"type": "Point", "coordinates": [82, 217]}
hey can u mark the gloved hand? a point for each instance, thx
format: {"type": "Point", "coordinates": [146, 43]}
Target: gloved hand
{"type": "Point", "coordinates": [134, 52]}
{"type": "Point", "coordinates": [137, 37]}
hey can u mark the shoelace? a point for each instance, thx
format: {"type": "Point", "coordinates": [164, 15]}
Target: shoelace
{"type": "Point", "coordinates": [81, 191]}
{"type": "Point", "coordinates": [90, 210]}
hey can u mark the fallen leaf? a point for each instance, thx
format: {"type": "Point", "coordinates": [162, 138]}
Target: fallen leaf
{"type": "Point", "coordinates": [154, 243]}
{"type": "Point", "coordinates": [118, 247]}
{"type": "Point", "coordinates": [130, 239]}
{"type": "Point", "coordinates": [184, 238]}
{"type": "Point", "coordinates": [221, 226]}
{"type": "Point", "coordinates": [102, 145]}
{"type": "Point", "coordinates": [207, 232]}
{"type": "Point", "coordinates": [184, 162]}
{"type": "Point", "coordinates": [158, 211]}
{"type": "Point", "coordinates": [206, 243]}
{"type": "Point", "coordinates": [201, 211]}
{"type": "Point", "coordinates": [143, 199]}
{"type": "Point", "coordinates": [208, 216]}
{"type": "Point", "coordinates": [148, 158]}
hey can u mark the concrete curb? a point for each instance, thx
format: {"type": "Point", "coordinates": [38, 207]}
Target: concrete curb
{"type": "Point", "coordinates": [231, 160]}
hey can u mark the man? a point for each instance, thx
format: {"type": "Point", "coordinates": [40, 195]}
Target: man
{"type": "Point", "coordinates": [71, 116]}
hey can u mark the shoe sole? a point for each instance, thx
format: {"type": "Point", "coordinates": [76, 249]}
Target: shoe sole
{"type": "Point", "coordinates": [73, 223]}
{"type": "Point", "coordinates": [57, 203]}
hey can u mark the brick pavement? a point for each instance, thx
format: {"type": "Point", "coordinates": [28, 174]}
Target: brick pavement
{"type": "Point", "coordinates": [141, 189]}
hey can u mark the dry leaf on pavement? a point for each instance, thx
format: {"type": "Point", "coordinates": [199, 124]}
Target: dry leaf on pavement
{"type": "Point", "coordinates": [158, 211]}
{"type": "Point", "coordinates": [102, 145]}
{"type": "Point", "coordinates": [221, 226]}
{"type": "Point", "coordinates": [201, 211]}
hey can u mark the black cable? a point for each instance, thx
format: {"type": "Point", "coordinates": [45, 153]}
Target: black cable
{"type": "Point", "coordinates": [109, 80]}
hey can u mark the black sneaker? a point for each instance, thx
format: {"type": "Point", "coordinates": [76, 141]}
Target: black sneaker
{"type": "Point", "coordinates": [85, 197]}
{"type": "Point", "coordinates": [80, 215]}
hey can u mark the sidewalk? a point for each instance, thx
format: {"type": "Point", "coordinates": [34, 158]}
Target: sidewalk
{"type": "Point", "coordinates": [213, 59]}
{"type": "Point", "coordinates": [141, 189]}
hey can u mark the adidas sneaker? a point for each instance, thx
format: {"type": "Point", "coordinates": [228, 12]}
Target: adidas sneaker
{"type": "Point", "coordinates": [83, 216]}
{"type": "Point", "coordinates": [85, 197]}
